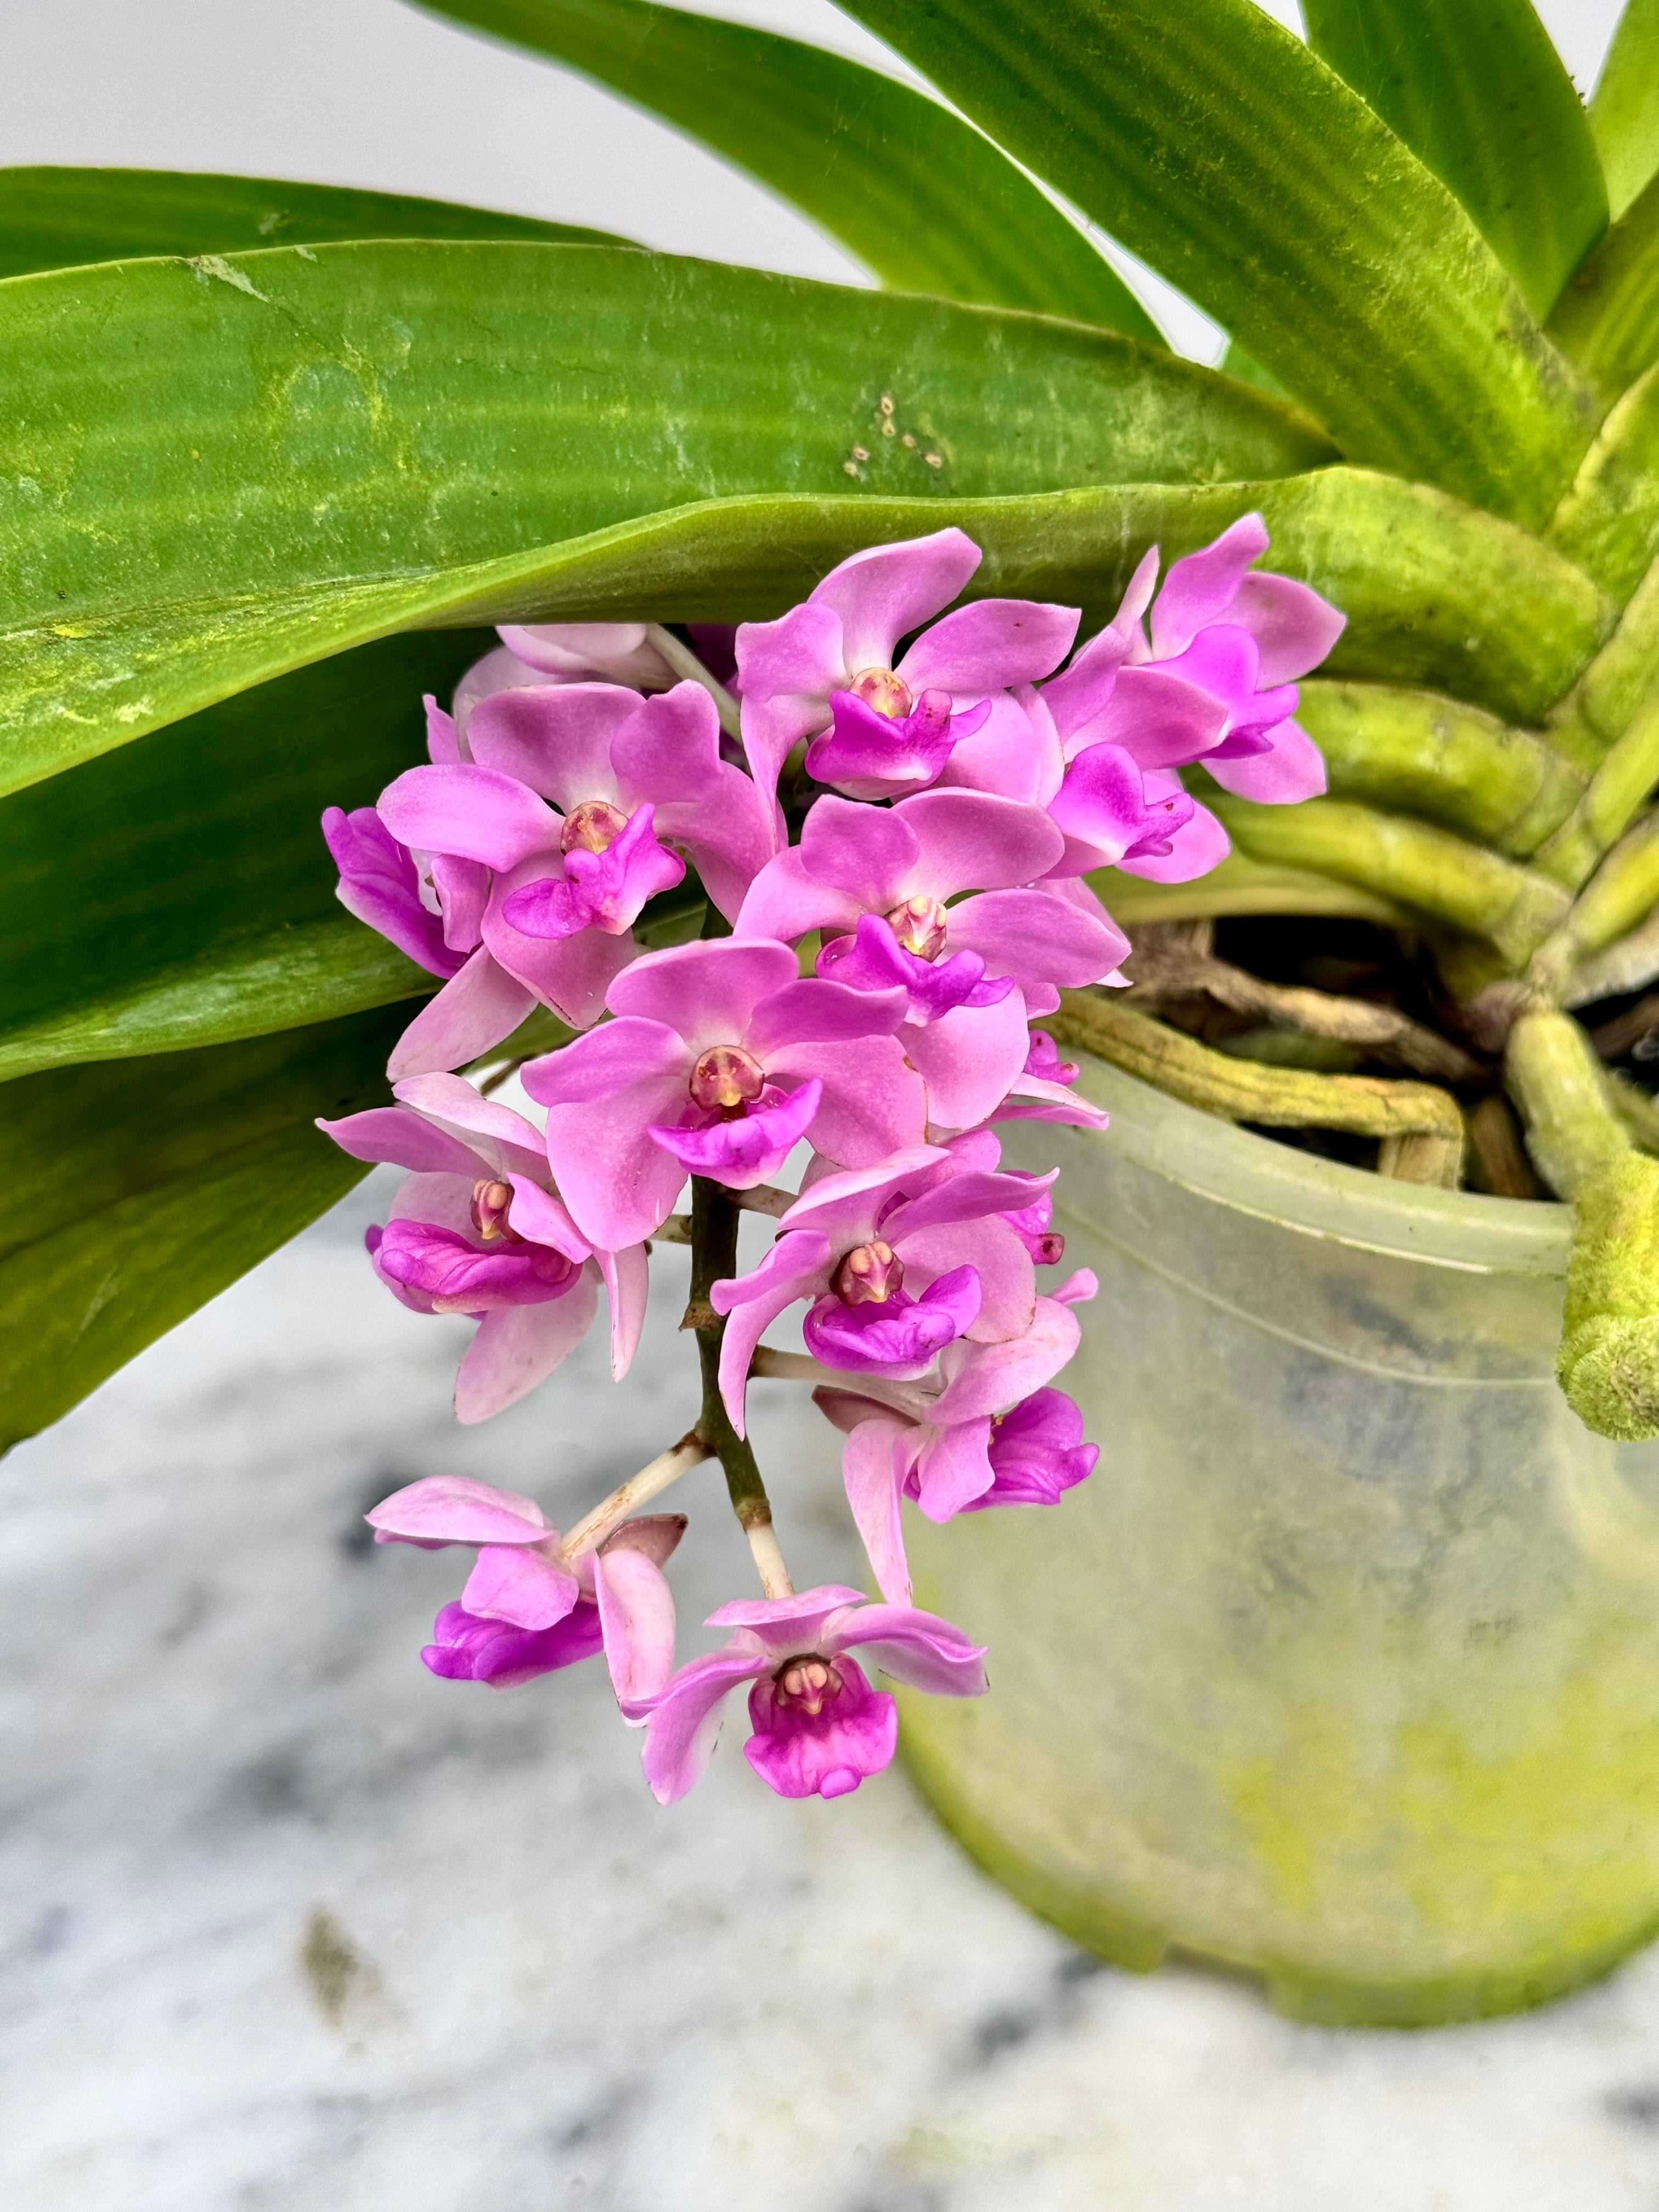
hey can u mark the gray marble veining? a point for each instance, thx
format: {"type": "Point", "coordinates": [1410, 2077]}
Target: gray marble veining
{"type": "Point", "coordinates": [290, 1926]}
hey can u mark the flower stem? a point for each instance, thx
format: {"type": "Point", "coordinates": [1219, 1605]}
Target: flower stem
{"type": "Point", "coordinates": [591, 1531]}
{"type": "Point", "coordinates": [715, 1216]}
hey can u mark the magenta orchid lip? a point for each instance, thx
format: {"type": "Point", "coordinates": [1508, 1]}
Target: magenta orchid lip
{"type": "Point", "coordinates": [869, 993]}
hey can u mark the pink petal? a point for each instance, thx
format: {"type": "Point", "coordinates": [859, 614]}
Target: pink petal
{"type": "Point", "coordinates": [1199, 844]}
{"type": "Point", "coordinates": [522, 1586]}
{"type": "Point", "coordinates": [828, 1753]}
{"type": "Point", "coordinates": [990, 646]}
{"type": "Point", "coordinates": [869, 853]}
{"type": "Point", "coordinates": [873, 1465]}
{"type": "Point", "coordinates": [953, 1467]}
{"type": "Point", "coordinates": [537, 1215]}
{"type": "Point", "coordinates": [1039, 937]}
{"type": "Point", "coordinates": [443, 744]}
{"type": "Point", "coordinates": [619, 1185]}
{"type": "Point", "coordinates": [797, 1267]}
{"type": "Point", "coordinates": [970, 840]}
{"type": "Point", "coordinates": [1159, 719]}
{"type": "Point", "coordinates": [1200, 588]}
{"type": "Point", "coordinates": [519, 1347]}
{"type": "Point", "coordinates": [626, 1278]}
{"type": "Point", "coordinates": [1014, 754]}
{"type": "Point", "coordinates": [873, 1103]}
{"type": "Point", "coordinates": [607, 1061]}
{"type": "Point", "coordinates": [477, 813]}
{"type": "Point", "coordinates": [636, 1613]}
{"type": "Point", "coordinates": [403, 1138]}
{"type": "Point", "coordinates": [729, 836]}
{"type": "Point", "coordinates": [555, 741]}
{"type": "Point", "coordinates": [809, 1010]}
{"type": "Point", "coordinates": [885, 592]}
{"type": "Point", "coordinates": [683, 1719]}
{"type": "Point", "coordinates": [475, 1010]}
{"type": "Point", "coordinates": [968, 1059]}
{"type": "Point", "coordinates": [495, 1132]}
{"type": "Point", "coordinates": [706, 992]}
{"type": "Point", "coordinates": [1294, 628]}
{"type": "Point", "coordinates": [786, 900]}
{"type": "Point", "coordinates": [657, 1535]}
{"type": "Point", "coordinates": [669, 747]}
{"type": "Point", "coordinates": [456, 1509]}
{"type": "Point", "coordinates": [991, 1375]}
{"type": "Point", "coordinates": [918, 1647]}
{"type": "Point", "coordinates": [570, 650]}
{"type": "Point", "coordinates": [787, 1624]}
{"type": "Point", "coordinates": [1291, 768]}
{"type": "Point", "coordinates": [1006, 1277]}
{"type": "Point", "coordinates": [571, 974]}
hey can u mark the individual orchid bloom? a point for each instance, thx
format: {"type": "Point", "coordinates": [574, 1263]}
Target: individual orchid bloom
{"type": "Point", "coordinates": [1243, 637]}
{"type": "Point", "coordinates": [894, 1262]}
{"type": "Point", "coordinates": [984, 1430]}
{"type": "Point", "coordinates": [623, 772]}
{"type": "Point", "coordinates": [526, 1610]}
{"type": "Point", "coordinates": [829, 664]}
{"type": "Point", "coordinates": [818, 1727]}
{"type": "Point", "coordinates": [900, 865]}
{"type": "Point", "coordinates": [722, 1057]}
{"type": "Point", "coordinates": [478, 1228]}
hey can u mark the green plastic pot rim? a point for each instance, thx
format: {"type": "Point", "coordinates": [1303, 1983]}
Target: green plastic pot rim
{"type": "Point", "coordinates": [1235, 1168]}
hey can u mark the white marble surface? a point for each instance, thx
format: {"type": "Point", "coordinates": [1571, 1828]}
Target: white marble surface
{"type": "Point", "coordinates": [290, 1926]}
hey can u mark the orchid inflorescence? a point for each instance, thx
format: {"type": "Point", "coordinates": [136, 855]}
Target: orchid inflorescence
{"type": "Point", "coordinates": [895, 842]}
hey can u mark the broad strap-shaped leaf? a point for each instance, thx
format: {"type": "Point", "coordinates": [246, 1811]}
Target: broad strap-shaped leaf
{"type": "Point", "coordinates": [60, 218]}
{"type": "Point", "coordinates": [177, 891]}
{"type": "Point", "coordinates": [137, 1192]}
{"type": "Point", "coordinates": [280, 433]}
{"type": "Point", "coordinates": [1625, 106]}
{"type": "Point", "coordinates": [1436, 593]}
{"type": "Point", "coordinates": [1608, 318]}
{"type": "Point", "coordinates": [1217, 148]}
{"type": "Point", "coordinates": [1608, 523]}
{"type": "Point", "coordinates": [919, 196]}
{"type": "Point", "coordinates": [1482, 97]}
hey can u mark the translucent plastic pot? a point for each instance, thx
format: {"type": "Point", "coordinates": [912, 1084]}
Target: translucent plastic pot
{"type": "Point", "coordinates": [1343, 1667]}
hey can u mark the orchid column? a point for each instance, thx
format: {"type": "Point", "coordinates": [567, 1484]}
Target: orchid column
{"type": "Point", "coordinates": [889, 809]}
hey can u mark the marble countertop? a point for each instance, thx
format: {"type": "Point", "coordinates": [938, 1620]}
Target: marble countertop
{"type": "Point", "coordinates": [290, 1926]}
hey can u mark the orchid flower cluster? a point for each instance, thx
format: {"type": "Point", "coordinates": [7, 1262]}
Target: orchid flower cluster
{"type": "Point", "coordinates": [893, 813]}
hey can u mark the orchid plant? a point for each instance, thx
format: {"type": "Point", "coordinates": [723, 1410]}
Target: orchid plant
{"type": "Point", "coordinates": [808, 683]}
{"type": "Point", "coordinates": [893, 847]}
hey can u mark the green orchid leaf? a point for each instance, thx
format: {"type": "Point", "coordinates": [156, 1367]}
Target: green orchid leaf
{"type": "Point", "coordinates": [177, 891]}
{"type": "Point", "coordinates": [61, 218]}
{"type": "Point", "coordinates": [137, 1192]}
{"type": "Point", "coordinates": [1608, 523]}
{"type": "Point", "coordinates": [1625, 107]}
{"type": "Point", "coordinates": [1608, 318]}
{"type": "Point", "coordinates": [1235, 161]}
{"type": "Point", "coordinates": [919, 196]}
{"type": "Point", "coordinates": [1483, 98]}
{"type": "Point", "coordinates": [286, 445]}
{"type": "Point", "coordinates": [1436, 593]}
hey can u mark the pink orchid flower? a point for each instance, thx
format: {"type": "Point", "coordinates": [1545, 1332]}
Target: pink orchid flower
{"type": "Point", "coordinates": [524, 1611]}
{"type": "Point", "coordinates": [877, 881]}
{"type": "Point", "coordinates": [819, 1728]}
{"type": "Point", "coordinates": [478, 1228]}
{"type": "Point", "coordinates": [722, 1058]}
{"type": "Point", "coordinates": [1239, 637]}
{"type": "Point", "coordinates": [982, 1430]}
{"type": "Point", "coordinates": [896, 1261]}
{"type": "Point", "coordinates": [828, 664]}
